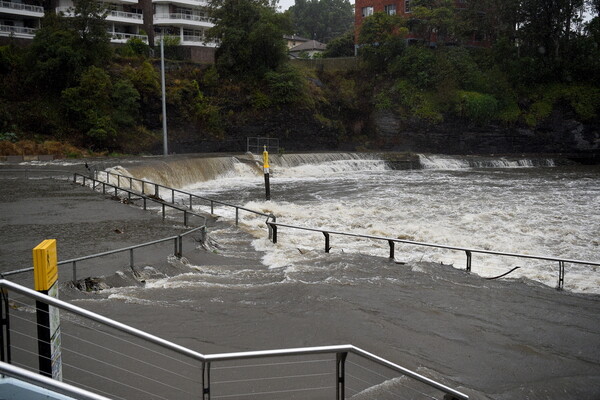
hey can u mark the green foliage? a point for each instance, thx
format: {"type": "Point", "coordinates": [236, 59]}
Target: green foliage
{"type": "Point", "coordinates": [584, 101]}
{"type": "Point", "coordinates": [418, 65]}
{"type": "Point", "coordinates": [135, 47]}
{"type": "Point", "coordinates": [250, 33]}
{"type": "Point", "coordinates": [478, 107]}
{"type": "Point", "coordinates": [341, 46]}
{"type": "Point", "coordinates": [381, 39]}
{"type": "Point", "coordinates": [99, 109]}
{"type": "Point", "coordinates": [411, 102]}
{"type": "Point", "coordinates": [321, 20]}
{"type": "Point", "coordinates": [286, 86]}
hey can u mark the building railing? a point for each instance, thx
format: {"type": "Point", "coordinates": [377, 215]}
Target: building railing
{"type": "Point", "coordinates": [127, 36]}
{"type": "Point", "coordinates": [17, 30]}
{"type": "Point", "coordinates": [123, 14]}
{"type": "Point", "coordinates": [184, 17]}
{"type": "Point", "coordinates": [21, 7]}
{"type": "Point", "coordinates": [164, 369]}
{"type": "Point", "coordinates": [468, 251]}
{"type": "Point", "coordinates": [155, 189]}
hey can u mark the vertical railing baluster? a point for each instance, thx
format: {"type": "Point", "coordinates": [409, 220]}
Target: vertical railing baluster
{"type": "Point", "coordinates": [468, 260]}
{"type": "Point", "coordinates": [206, 381]}
{"type": "Point", "coordinates": [327, 248]}
{"type": "Point", "coordinates": [561, 275]}
{"type": "Point", "coordinates": [340, 372]}
{"type": "Point", "coordinates": [391, 243]}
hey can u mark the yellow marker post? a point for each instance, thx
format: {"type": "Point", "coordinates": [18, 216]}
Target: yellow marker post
{"type": "Point", "coordinates": [45, 277]}
{"type": "Point", "coordinates": [266, 171]}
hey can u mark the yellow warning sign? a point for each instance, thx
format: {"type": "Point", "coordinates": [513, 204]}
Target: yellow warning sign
{"type": "Point", "coordinates": [265, 158]}
{"type": "Point", "coordinates": [45, 265]}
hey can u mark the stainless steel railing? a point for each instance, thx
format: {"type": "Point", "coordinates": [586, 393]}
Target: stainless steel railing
{"type": "Point", "coordinates": [157, 187]}
{"type": "Point", "coordinates": [468, 251]}
{"type": "Point", "coordinates": [177, 245]}
{"type": "Point", "coordinates": [341, 352]}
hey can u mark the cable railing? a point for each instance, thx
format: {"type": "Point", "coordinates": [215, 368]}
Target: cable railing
{"type": "Point", "coordinates": [115, 360]}
{"type": "Point", "coordinates": [468, 251]}
{"type": "Point", "coordinates": [156, 188]}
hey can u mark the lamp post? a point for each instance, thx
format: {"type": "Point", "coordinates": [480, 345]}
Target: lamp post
{"type": "Point", "coordinates": [164, 96]}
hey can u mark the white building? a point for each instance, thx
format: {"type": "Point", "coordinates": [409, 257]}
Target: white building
{"type": "Point", "coordinates": [19, 18]}
{"type": "Point", "coordinates": [186, 20]}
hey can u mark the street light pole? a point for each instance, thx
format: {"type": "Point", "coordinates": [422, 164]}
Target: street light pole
{"type": "Point", "coordinates": [164, 96]}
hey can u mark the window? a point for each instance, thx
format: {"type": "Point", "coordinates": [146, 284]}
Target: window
{"type": "Point", "coordinates": [407, 6]}
{"type": "Point", "coordinates": [390, 9]}
{"type": "Point", "coordinates": [366, 11]}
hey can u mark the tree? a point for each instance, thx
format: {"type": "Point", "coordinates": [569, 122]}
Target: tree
{"type": "Point", "coordinates": [341, 46]}
{"type": "Point", "coordinates": [381, 39]}
{"type": "Point", "coordinates": [250, 35]}
{"type": "Point", "coordinates": [321, 20]}
{"type": "Point", "coordinates": [66, 46]}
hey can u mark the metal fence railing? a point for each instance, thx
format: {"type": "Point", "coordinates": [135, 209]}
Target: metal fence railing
{"type": "Point", "coordinates": [109, 358]}
{"type": "Point", "coordinates": [256, 145]}
{"type": "Point", "coordinates": [155, 189]}
{"type": "Point", "coordinates": [468, 251]}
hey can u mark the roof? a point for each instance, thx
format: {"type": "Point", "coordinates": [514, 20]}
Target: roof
{"type": "Point", "coordinates": [296, 38]}
{"type": "Point", "coordinates": [308, 46]}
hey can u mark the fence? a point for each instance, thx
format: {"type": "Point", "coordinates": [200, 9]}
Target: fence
{"type": "Point", "coordinates": [156, 193]}
{"type": "Point", "coordinates": [468, 251]}
{"type": "Point", "coordinates": [256, 145]}
{"type": "Point", "coordinates": [115, 360]}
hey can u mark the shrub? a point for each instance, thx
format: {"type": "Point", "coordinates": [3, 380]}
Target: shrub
{"type": "Point", "coordinates": [478, 107]}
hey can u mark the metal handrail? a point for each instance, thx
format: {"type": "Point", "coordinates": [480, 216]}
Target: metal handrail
{"type": "Point", "coordinates": [158, 186]}
{"type": "Point", "coordinates": [48, 383]}
{"type": "Point", "coordinates": [178, 246]}
{"type": "Point", "coordinates": [207, 359]}
{"type": "Point", "coordinates": [468, 251]}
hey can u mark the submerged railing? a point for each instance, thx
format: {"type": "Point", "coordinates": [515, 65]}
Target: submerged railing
{"type": "Point", "coordinates": [117, 360]}
{"type": "Point", "coordinates": [177, 251]}
{"type": "Point", "coordinates": [273, 225]}
{"type": "Point", "coordinates": [156, 192]}
{"type": "Point", "coordinates": [468, 251]}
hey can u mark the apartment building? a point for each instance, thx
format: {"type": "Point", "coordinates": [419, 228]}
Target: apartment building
{"type": "Point", "coordinates": [366, 8]}
{"type": "Point", "coordinates": [185, 21]}
{"type": "Point", "coordinates": [19, 18]}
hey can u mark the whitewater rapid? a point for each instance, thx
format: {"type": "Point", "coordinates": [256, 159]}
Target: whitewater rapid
{"type": "Point", "coordinates": [518, 205]}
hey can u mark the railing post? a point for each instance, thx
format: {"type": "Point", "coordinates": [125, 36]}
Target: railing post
{"type": "Point", "coordinates": [468, 253]}
{"type": "Point", "coordinates": [74, 271]}
{"type": "Point", "coordinates": [116, 193]}
{"type": "Point", "coordinates": [156, 190]}
{"type": "Point", "coordinates": [144, 204]}
{"type": "Point", "coordinates": [5, 355]}
{"type": "Point", "coordinates": [340, 368]}
{"type": "Point", "coordinates": [391, 242]}
{"type": "Point", "coordinates": [327, 248]}
{"type": "Point", "coordinates": [191, 202]}
{"type": "Point", "coordinates": [172, 196]}
{"type": "Point", "coordinates": [177, 246]}
{"type": "Point", "coordinates": [118, 180]}
{"type": "Point", "coordinates": [103, 187]}
{"type": "Point", "coordinates": [203, 235]}
{"type": "Point", "coordinates": [131, 258]}
{"type": "Point", "coordinates": [237, 212]}
{"type": "Point", "coordinates": [273, 231]}
{"type": "Point", "coordinates": [185, 218]}
{"type": "Point", "coordinates": [163, 210]}
{"type": "Point", "coordinates": [212, 207]}
{"type": "Point", "coordinates": [130, 183]}
{"type": "Point", "coordinates": [561, 275]}
{"type": "Point", "coordinates": [143, 187]}
{"type": "Point", "coordinates": [206, 381]}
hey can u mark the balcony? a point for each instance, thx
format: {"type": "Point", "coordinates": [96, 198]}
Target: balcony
{"type": "Point", "coordinates": [120, 37]}
{"type": "Point", "coordinates": [111, 15]}
{"type": "Point", "coordinates": [125, 17]}
{"type": "Point", "coordinates": [188, 40]}
{"type": "Point", "coordinates": [17, 31]}
{"type": "Point", "coordinates": [193, 3]}
{"type": "Point", "coordinates": [188, 20]}
{"type": "Point", "coordinates": [8, 7]}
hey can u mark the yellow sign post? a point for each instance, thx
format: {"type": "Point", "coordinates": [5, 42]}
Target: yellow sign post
{"type": "Point", "coordinates": [45, 277]}
{"type": "Point", "coordinates": [266, 171]}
